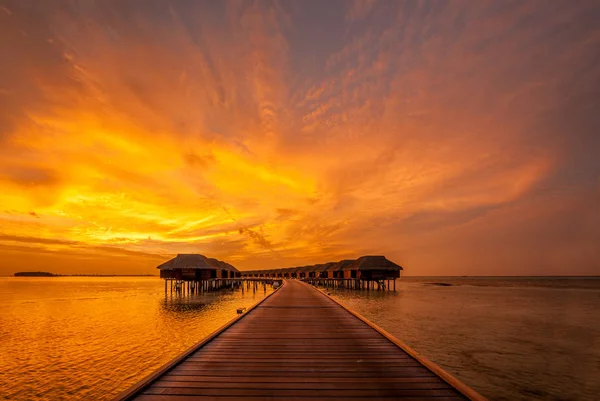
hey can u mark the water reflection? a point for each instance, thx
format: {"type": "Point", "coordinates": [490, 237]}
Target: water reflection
{"type": "Point", "coordinates": [510, 338]}
{"type": "Point", "coordinates": [183, 305]}
{"type": "Point", "coordinates": [192, 302]}
{"type": "Point", "coordinates": [89, 338]}
{"type": "Point", "coordinates": [365, 294]}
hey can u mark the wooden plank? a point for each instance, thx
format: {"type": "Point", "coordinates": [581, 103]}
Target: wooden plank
{"type": "Point", "coordinates": [307, 371]}
{"type": "Point", "coordinates": [325, 385]}
{"type": "Point", "coordinates": [298, 344]}
{"type": "Point", "coordinates": [282, 346]}
{"type": "Point", "coordinates": [245, 355]}
{"type": "Point", "coordinates": [407, 372]}
{"type": "Point", "coordinates": [282, 393]}
{"type": "Point", "coordinates": [301, 379]}
{"type": "Point", "coordinates": [285, 363]}
{"type": "Point", "coordinates": [150, 397]}
{"type": "Point", "coordinates": [245, 363]}
{"type": "Point", "coordinates": [296, 354]}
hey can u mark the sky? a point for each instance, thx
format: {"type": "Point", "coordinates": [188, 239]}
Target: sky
{"type": "Point", "coordinates": [453, 137]}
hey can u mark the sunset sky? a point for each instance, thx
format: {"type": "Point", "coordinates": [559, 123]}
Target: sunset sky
{"type": "Point", "coordinates": [453, 137]}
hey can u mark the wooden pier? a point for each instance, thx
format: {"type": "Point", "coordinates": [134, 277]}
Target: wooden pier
{"type": "Point", "coordinates": [299, 344]}
{"type": "Point", "coordinates": [352, 283]}
{"type": "Point", "coordinates": [186, 287]}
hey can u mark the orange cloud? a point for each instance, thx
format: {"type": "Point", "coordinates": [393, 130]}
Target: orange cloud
{"type": "Point", "coordinates": [406, 130]}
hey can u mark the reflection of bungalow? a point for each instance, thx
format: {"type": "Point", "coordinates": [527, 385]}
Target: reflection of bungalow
{"type": "Point", "coordinates": [196, 267]}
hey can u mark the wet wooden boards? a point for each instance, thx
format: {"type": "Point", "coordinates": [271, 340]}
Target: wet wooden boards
{"type": "Point", "coordinates": [297, 345]}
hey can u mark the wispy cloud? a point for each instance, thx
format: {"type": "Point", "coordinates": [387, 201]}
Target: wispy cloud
{"type": "Point", "coordinates": [272, 134]}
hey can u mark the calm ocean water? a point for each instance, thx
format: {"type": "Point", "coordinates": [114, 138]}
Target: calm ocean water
{"type": "Point", "coordinates": [77, 338]}
{"type": "Point", "coordinates": [509, 338]}
{"type": "Point", "coordinates": [512, 339]}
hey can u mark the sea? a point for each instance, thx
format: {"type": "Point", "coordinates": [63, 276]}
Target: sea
{"type": "Point", "coordinates": [89, 338]}
{"type": "Point", "coordinates": [510, 338]}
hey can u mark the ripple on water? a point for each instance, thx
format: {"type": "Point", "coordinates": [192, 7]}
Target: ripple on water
{"type": "Point", "coordinates": [90, 338]}
{"type": "Point", "coordinates": [510, 339]}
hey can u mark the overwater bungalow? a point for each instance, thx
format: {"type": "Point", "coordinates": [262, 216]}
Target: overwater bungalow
{"type": "Point", "coordinates": [196, 267]}
{"type": "Point", "coordinates": [314, 270]}
{"type": "Point", "coordinates": [349, 272]}
{"type": "Point", "coordinates": [343, 269]}
{"type": "Point", "coordinates": [376, 268]}
{"type": "Point", "coordinates": [301, 271]}
{"type": "Point", "coordinates": [326, 270]}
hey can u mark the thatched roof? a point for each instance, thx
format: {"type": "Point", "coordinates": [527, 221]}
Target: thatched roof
{"type": "Point", "coordinates": [375, 263]}
{"type": "Point", "coordinates": [322, 267]}
{"type": "Point", "coordinates": [252, 271]}
{"type": "Point", "coordinates": [232, 267]}
{"type": "Point", "coordinates": [195, 261]}
{"type": "Point", "coordinates": [217, 264]}
{"type": "Point", "coordinates": [363, 263]}
{"type": "Point", "coordinates": [317, 268]}
{"type": "Point", "coordinates": [330, 266]}
{"type": "Point", "coordinates": [345, 264]}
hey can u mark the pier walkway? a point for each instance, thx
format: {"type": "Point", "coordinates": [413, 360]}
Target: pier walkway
{"type": "Point", "coordinates": [299, 344]}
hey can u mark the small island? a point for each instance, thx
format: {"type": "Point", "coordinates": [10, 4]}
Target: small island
{"type": "Point", "coordinates": [48, 274]}
{"type": "Point", "coordinates": [35, 274]}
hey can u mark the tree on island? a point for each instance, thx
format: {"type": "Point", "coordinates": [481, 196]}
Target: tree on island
{"type": "Point", "coordinates": [35, 274]}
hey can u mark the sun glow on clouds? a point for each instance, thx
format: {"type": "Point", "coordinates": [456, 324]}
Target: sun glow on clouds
{"type": "Point", "coordinates": [262, 135]}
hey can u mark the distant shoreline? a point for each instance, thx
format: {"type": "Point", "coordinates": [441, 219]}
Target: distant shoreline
{"type": "Point", "coordinates": [48, 274]}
